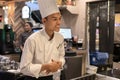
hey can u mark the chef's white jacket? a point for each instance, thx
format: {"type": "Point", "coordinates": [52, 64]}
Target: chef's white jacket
{"type": "Point", "coordinates": [38, 49]}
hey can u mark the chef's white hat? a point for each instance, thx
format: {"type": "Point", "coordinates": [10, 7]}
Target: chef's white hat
{"type": "Point", "coordinates": [47, 7]}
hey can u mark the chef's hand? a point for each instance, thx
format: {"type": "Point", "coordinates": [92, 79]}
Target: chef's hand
{"type": "Point", "coordinates": [51, 67]}
{"type": "Point", "coordinates": [56, 65]}
{"type": "Point", "coordinates": [59, 63]}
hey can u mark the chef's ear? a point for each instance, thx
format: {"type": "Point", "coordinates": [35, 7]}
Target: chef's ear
{"type": "Point", "coordinates": [43, 20]}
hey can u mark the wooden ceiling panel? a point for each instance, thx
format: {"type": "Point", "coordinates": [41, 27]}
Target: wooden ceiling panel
{"type": "Point", "coordinates": [14, 0]}
{"type": "Point", "coordinates": [5, 2]}
{"type": "Point", "coordinates": [1, 1]}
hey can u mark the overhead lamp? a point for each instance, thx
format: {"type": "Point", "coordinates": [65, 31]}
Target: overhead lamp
{"type": "Point", "coordinates": [5, 7]}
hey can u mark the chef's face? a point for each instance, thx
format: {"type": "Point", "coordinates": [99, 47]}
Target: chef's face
{"type": "Point", "coordinates": [52, 22]}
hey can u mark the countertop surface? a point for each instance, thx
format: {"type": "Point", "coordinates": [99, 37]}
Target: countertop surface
{"type": "Point", "coordinates": [113, 74]}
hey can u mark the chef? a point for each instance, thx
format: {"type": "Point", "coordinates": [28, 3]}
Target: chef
{"type": "Point", "coordinates": [43, 52]}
